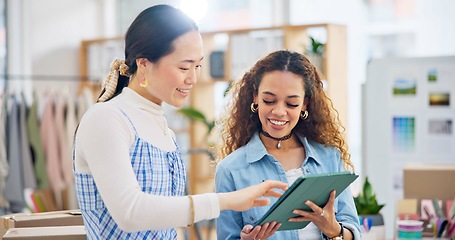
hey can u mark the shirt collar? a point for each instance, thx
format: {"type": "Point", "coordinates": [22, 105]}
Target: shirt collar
{"type": "Point", "coordinates": [131, 97]}
{"type": "Point", "coordinates": [255, 149]}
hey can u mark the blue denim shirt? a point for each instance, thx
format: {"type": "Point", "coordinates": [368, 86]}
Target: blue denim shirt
{"type": "Point", "coordinates": [251, 164]}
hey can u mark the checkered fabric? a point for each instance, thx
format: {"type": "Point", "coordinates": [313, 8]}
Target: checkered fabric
{"type": "Point", "coordinates": [157, 172]}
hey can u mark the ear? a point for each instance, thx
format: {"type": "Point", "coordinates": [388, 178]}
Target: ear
{"type": "Point", "coordinates": [255, 98]}
{"type": "Point", "coordinates": [142, 64]}
{"type": "Point", "coordinates": [305, 103]}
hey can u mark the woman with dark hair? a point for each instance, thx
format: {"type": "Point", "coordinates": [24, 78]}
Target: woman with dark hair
{"type": "Point", "coordinates": [281, 125]}
{"type": "Point", "coordinates": [129, 173]}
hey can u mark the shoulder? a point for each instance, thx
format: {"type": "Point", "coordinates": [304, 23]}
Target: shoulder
{"type": "Point", "coordinates": [322, 148]}
{"type": "Point", "coordinates": [97, 112]}
{"type": "Point", "coordinates": [102, 116]}
{"type": "Point", "coordinates": [233, 161]}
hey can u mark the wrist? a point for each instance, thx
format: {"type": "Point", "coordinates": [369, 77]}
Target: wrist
{"type": "Point", "coordinates": [338, 236]}
{"type": "Point", "coordinates": [223, 201]}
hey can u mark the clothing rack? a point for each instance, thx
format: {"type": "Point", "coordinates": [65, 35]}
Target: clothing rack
{"type": "Point", "coordinates": [8, 77]}
{"type": "Point", "coordinates": [84, 81]}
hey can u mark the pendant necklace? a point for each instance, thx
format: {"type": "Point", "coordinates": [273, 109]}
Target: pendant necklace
{"type": "Point", "coordinates": [277, 139]}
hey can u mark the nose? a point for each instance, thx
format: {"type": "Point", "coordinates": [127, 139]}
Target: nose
{"type": "Point", "coordinates": [192, 77]}
{"type": "Point", "coordinates": [279, 110]}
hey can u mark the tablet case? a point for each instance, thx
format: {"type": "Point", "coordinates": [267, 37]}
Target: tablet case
{"type": "Point", "coordinates": [316, 188]}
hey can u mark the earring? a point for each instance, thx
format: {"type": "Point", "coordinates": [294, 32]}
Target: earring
{"type": "Point", "coordinates": [304, 115]}
{"type": "Point", "coordinates": [143, 82]}
{"type": "Point", "coordinates": [254, 107]}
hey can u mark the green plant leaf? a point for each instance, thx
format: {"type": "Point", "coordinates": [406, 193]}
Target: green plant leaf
{"type": "Point", "coordinates": [197, 116]}
{"type": "Point", "coordinates": [192, 114]}
{"type": "Point", "coordinates": [366, 202]}
{"type": "Point", "coordinates": [367, 189]}
{"type": "Point", "coordinates": [316, 47]}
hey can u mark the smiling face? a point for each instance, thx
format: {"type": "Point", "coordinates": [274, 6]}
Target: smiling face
{"type": "Point", "coordinates": [171, 78]}
{"type": "Point", "coordinates": [280, 100]}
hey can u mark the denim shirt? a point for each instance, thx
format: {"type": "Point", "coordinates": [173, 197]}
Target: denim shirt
{"type": "Point", "coordinates": [251, 164]}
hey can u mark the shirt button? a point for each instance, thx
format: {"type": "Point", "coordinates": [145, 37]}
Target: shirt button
{"type": "Point", "coordinates": [251, 218]}
{"type": "Point", "coordinates": [307, 170]}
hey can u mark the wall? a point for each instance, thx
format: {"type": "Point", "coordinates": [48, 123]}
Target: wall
{"type": "Point", "coordinates": [406, 124]}
{"type": "Point", "coordinates": [44, 38]}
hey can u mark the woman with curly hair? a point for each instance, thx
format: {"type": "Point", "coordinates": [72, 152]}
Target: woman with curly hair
{"type": "Point", "coordinates": [281, 125]}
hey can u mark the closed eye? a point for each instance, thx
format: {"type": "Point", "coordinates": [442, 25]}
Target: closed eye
{"type": "Point", "coordinates": [292, 105]}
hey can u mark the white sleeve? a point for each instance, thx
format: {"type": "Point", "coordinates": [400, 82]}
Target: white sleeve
{"type": "Point", "coordinates": [103, 141]}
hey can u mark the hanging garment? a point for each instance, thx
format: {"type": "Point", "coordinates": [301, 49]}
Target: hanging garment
{"type": "Point", "coordinates": [3, 160]}
{"type": "Point", "coordinates": [49, 140]}
{"type": "Point", "coordinates": [84, 102]}
{"type": "Point", "coordinates": [14, 183]}
{"type": "Point", "coordinates": [34, 136]}
{"type": "Point", "coordinates": [69, 193]}
{"type": "Point", "coordinates": [71, 122]}
{"type": "Point", "coordinates": [71, 125]}
{"type": "Point", "coordinates": [27, 161]}
{"type": "Point", "coordinates": [65, 157]}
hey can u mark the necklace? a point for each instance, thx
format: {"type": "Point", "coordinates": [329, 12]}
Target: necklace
{"type": "Point", "coordinates": [277, 139]}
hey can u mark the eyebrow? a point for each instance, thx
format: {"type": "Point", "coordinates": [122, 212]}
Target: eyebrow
{"type": "Point", "coordinates": [190, 60]}
{"type": "Point", "coordinates": [272, 94]}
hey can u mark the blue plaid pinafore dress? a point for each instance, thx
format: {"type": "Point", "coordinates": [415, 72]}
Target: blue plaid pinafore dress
{"type": "Point", "coordinates": [158, 172]}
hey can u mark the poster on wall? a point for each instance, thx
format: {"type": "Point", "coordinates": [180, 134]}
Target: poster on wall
{"type": "Point", "coordinates": [440, 138]}
{"type": "Point", "coordinates": [405, 89]}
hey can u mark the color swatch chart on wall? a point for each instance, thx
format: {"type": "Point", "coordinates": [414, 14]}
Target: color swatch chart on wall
{"type": "Point", "coordinates": [404, 134]}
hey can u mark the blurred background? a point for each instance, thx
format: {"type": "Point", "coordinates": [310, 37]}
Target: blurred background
{"type": "Point", "coordinates": [61, 50]}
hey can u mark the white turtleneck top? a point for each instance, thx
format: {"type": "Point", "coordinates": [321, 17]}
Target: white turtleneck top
{"type": "Point", "coordinates": [104, 138]}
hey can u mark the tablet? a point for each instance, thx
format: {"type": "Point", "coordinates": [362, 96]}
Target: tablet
{"type": "Point", "coordinates": [316, 188]}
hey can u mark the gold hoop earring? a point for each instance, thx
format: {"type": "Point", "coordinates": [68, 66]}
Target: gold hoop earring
{"type": "Point", "coordinates": [143, 82]}
{"type": "Point", "coordinates": [254, 107]}
{"type": "Point", "coordinates": [304, 115]}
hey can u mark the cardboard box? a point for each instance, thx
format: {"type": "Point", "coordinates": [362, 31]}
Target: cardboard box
{"type": "Point", "coordinates": [424, 182]}
{"type": "Point", "coordinates": [46, 233]}
{"type": "Point", "coordinates": [429, 181]}
{"type": "Point", "coordinates": [44, 219]}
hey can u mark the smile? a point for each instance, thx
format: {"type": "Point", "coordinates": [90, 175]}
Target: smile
{"type": "Point", "coordinates": [278, 123]}
{"type": "Point", "coordinates": [183, 90]}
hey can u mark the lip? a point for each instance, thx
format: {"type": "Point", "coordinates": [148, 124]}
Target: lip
{"type": "Point", "coordinates": [183, 92]}
{"type": "Point", "coordinates": [275, 126]}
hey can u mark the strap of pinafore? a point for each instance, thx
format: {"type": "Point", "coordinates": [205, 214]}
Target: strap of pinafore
{"type": "Point", "coordinates": [129, 120]}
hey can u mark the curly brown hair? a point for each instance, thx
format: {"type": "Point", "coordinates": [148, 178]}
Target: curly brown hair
{"type": "Point", "coordinates": [323, 125]}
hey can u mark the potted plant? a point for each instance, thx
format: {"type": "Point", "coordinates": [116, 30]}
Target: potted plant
{"type": "Point", "coordinates": [367, 205]}
{"type": "Point", "coordinates": [315, 51]}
